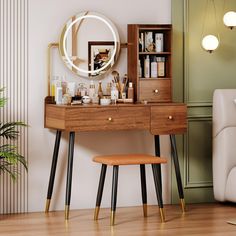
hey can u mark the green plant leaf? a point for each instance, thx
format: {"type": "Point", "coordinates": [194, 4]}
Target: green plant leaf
{"type": "Point", "coordinates": [9, 157]}
{"type": "Point", "coordinates": [9, 131]}
{"type": "Point", "coordinates": [3, 100]}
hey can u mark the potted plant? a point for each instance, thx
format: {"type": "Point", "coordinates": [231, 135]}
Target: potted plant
{"type": "Point", "coordinates": [9, 156]}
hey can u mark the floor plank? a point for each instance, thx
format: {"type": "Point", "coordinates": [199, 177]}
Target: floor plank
{"type": "Point", "coordinates": [200, 219]}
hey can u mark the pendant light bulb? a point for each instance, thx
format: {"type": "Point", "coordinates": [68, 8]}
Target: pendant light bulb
{"type": "Point", "coordinates": [230, 19]}
{"type": "Point", "coordinates": [210, 43]}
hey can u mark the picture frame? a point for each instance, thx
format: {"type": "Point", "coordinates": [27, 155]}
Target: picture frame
{"type": "Point", "coordinates": [99, 53]}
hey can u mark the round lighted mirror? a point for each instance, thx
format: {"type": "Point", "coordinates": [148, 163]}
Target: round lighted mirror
{"type": "Point", "coordinates": [89, 44]}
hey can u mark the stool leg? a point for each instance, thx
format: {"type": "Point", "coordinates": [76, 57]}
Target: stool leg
{"type": "Point", "coordinates": [158, 154]}
{"type": "Point", "coordinates": [114, 193]}
{"type": "Point", "coordinates": [177, 171]}
{"type": "Point", "coordinates": [69, 174]}
{"type": "Point", "coordinates": [53, 170]}
{"type": "Point", "coordinates": [100, 190]}
{"type": "Point", "coordinates": [143, 188]}
{"type": "Point", "coordinates": [158, 191]}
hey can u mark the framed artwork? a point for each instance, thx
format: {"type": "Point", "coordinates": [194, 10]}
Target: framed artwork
{"type": "Point", "coordinates": [99, 53]}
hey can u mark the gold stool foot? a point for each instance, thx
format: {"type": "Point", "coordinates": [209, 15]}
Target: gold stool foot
{"type": "Point", "coordinates": [96, 212]}
{"type": "Point", "coordinates": [47, 205]}
{"type": "Point", "coordinates": [67, 210]}
{"type": "Point", "coordinates": [182, 202]}
{"type": "Point", "coordinates": [162, 215]}
{"type": "Point", "coordinates": [145, 210]}
{"type": "Point", "coordinates": [113, 218]}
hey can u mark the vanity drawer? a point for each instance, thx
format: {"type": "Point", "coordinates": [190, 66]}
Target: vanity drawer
{"type": "Point", "coordinates": [108, 118]}
{"type": "Point", "coordinates": [169, 119]}
{"type": "Point", "coordinates": [158, 90]}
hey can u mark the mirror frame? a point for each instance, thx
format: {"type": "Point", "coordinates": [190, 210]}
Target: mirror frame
{"type": "Point", "coordinates": [63, 52]}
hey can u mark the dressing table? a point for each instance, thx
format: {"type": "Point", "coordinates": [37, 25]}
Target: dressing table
{"type": "Point", "coordinates": [161, 117]}
{"type": "Point", "coordinates": [157, 118]}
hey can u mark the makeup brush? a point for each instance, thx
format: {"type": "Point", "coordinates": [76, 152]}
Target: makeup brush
{"type": "Point", "coordinates": [116, 76]}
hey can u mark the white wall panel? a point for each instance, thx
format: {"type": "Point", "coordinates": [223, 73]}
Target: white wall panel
{"type": "Point", "coordinates": [14, 77]}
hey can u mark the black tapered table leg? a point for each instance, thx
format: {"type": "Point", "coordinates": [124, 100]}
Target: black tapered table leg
{"type": "Point", "coordinates": [143, 189]}
{"type": "Point", "coordinates": [177, 170]}
{"type": "Point", "coordinates": [114, 193]}
{"type": "Point", "coordinates": [158, 154]}
{"type": "Point", "coordinates": [53, 170]}
{"type": "Point", "coordinates": [158, 190]}
{"type": "Point", "coordinates": [100, 190]}
{"type": "Point", "coordinates": [69, 173]}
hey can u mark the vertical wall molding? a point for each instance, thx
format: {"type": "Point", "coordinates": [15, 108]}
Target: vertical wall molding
{"type": "Point", "coordinates": [14, 77]}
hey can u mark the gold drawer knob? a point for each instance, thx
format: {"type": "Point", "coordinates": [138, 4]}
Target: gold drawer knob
{"type": "Point", "coordinates": [109, 119]}
{"type": "Point", "coordinates": [170, 117]}
{"type": "Point", "coordinates": [156, 91]}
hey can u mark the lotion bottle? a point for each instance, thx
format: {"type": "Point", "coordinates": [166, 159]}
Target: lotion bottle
{"type": "Point", "coordinates": [159, 42]}
{"type": "Point", "coordinates": [147, 67]}
{"type": "Point", "coordinates": [154, 68]}
{"type": "Point", "coordinates": [58, 95]}
{"type": "Point", "coordinates": [139, 69]}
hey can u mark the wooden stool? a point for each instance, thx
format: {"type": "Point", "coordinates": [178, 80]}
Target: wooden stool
{"type": "Point", "coordinates": [128, 159]}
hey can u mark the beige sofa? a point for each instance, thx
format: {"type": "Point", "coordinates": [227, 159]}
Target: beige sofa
{"type": "Point", "coordinates": [224, 144]}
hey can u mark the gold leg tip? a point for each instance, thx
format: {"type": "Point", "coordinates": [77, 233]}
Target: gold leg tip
{"type": "Point", "coordinates": [162, 215]}
{"type": "Point", "coordinates": [67, 210]}
{"type": "Point", "coordinates": [112, 218]}
{"type": "Point", "coordinates": [96, 213]}
{"type": "Point", "coordinates": [145, 210]}
{"type": "Point", "coordinates": [47, 205]}
{"type": "Point", "coordinates": [182, 202]}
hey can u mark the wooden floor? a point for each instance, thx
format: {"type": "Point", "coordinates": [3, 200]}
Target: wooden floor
{"type": "Point", "coordinates": [200, 219]}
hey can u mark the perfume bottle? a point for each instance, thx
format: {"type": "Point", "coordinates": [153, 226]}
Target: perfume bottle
{"type": "Point", "coordinates": [100, 93]}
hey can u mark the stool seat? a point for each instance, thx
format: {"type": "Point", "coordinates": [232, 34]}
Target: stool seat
{"type": "Point", "coordinates": [128, 159]}
{"type": "Point", "coordinates": [115, 160]}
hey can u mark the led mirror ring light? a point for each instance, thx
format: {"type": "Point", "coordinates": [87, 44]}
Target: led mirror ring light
{"type": "Point", "coordinates": [113, 34]}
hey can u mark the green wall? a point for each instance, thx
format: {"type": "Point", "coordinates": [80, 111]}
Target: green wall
{"type": "Point", "coordinates": [196, 74]}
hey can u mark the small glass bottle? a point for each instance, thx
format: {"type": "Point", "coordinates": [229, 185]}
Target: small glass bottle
{"type": "Point", "coordinates": [131, 91]}
{"type": "Point", "coordinates": [100, 93]}
{"type": "Point", "coordinates": [91, 91]}
{"type": "Point", "coordinates": [108, 89]}
{"type": "Point", "coordinates": [54, 83]}
{"type": "Point", "coordinates": [161, 66]}
{"type": "Point", "coordinates": [66, 99]}
{"type": "Point", "coordinates": [114, 94]}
